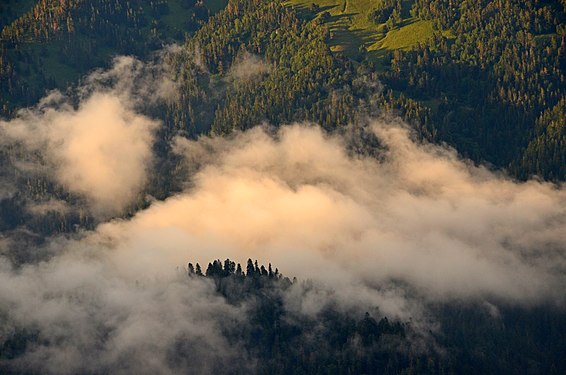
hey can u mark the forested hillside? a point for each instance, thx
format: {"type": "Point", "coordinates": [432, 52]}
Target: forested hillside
{"type": "Point", "coordinates": [489, 72]}
{"type": "Point", "coordinates": [54, 42]}
{"type": "Point", "coordinates": [405, 159]}
{"type": "Point", "coordinates": [494, 81]}
{"type": "Point", "coordinates": [281, 341]}
{"type": "Point", "coordinates": [292, 75]}
{"type": "Point", "coordinates": [488, 79]}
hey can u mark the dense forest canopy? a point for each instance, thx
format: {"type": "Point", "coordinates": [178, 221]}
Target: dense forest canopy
{"type": "Point", "coordinates": [406, 175]}
{"type": "Point", "coordinates": [491, 75]}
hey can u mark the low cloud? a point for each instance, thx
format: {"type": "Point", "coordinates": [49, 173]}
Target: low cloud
{"type": "Point", "coordinates": [247, 67]}
{"type": "Point", "coordinates": [89, 317]}
{"type": "Point", "coordinates": [100, 149]}
{"type": "Point", "coordinates": [51, 205]}
{"type": "Point", "coordinates": [136, 83]}
{"type": "Point", "coordinates": [416, 225]}
{"type": "Point", "coordinates": [421, 216]}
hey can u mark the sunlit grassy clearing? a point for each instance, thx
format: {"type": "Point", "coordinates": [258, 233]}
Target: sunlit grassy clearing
{"type": "Point", "coordinates": [406, 36]}
{"type": "Point", "coordinates": [352, 28]}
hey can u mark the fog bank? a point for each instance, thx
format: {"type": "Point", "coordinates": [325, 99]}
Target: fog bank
{"type": "Point", "coordinates": [416, 225]}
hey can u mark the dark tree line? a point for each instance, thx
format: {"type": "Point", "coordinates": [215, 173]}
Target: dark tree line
{"type": "Point", "coordinates": [468, 339]}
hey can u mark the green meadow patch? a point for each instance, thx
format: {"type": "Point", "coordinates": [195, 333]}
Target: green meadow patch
{"type": "Point", "coordinates": [353, 33]}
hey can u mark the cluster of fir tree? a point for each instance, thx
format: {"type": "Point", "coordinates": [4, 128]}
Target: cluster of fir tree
{"type": "Point", "coordinates": [387, 12]}
{"type": "Point", "coordinates": [283, 342]}
{"type": "Point", "coordinates": [466, 337]}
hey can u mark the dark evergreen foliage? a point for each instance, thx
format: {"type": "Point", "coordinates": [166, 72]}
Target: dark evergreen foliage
{"type": "Point", "coordinates": [469, 338]}
{"type": "Point", "coordinates": [494, 83]}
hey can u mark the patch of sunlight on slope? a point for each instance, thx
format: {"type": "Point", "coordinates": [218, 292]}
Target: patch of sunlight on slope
{"type": "Point", "coordinates": [348, 22]}
{"type": "Point", "coordinates": [406, 36]}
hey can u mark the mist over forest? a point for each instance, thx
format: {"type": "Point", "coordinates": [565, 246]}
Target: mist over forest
{"type": "Point", "coordinates": [252, 187]}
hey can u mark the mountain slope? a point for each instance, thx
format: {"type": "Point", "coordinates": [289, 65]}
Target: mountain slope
{"type": "Point", "coordinates": [486, 70]}
{"type": "Point", "coordinates": [477, 76]}
{"type": "Point", "coordinates": [55, 43]}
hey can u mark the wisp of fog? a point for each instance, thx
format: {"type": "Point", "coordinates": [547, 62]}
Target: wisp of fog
{"type": "Point", "coordinates": [99, 149]}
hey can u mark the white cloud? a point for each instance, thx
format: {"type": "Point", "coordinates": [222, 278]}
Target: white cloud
{"type": "Point", "coordinates": [101, 149]}
{"type": "Point", "coordinates": [420, 222]}
{"type": "Point", "coordinates": [247, 67]}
